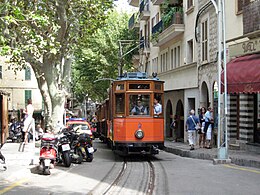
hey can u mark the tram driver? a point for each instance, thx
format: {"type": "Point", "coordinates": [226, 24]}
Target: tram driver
{"type": "Point", "coordinates": [139, 109]}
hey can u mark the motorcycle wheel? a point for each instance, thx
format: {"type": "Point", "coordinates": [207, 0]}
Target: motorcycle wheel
{"type": "Point", "coordinates": [80, 158]}
{"type": "Point", "coordinates": [66, 159]}
{"type": "Point", "coordinates": [89, 157]}
{"type": "Point", "coordinates": [46, 171]}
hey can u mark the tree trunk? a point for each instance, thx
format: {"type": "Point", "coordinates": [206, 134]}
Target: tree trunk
{"type": "Point", "coordinates": [53, 94]}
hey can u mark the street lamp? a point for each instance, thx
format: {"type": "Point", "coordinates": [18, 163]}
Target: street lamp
{"type": "Point", "coordinates": [220, 10]}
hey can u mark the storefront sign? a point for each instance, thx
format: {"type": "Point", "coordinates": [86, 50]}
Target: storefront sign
{"type": "Point", "coordinates": [247, 47]}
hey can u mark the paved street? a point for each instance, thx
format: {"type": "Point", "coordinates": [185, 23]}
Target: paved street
{"type": "Point", "coordinates": [172, 174]}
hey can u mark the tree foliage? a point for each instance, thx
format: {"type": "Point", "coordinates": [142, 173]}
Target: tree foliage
{"type": "Point", "coordinates": [97, 61]}
{"type": "Point", "coordinates": [45, 34]}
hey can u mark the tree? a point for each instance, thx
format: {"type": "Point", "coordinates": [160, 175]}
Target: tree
{"type": "Point", "coordinates": [98, 59]}
{"type": "Point", "coordinates": [45, 34]}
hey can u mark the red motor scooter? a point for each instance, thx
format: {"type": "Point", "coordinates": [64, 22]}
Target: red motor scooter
{"type": "Point", "coordinates": [48, 153]}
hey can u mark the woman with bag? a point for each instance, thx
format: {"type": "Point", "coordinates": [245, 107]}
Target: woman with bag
{"type": "Point", "coordinates": [209, 131]}
{"type": "Point", "coordinates": [201, 132]}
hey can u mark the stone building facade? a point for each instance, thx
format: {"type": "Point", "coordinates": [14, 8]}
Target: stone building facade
{"type": "Point", "coordinates": [185, 54]}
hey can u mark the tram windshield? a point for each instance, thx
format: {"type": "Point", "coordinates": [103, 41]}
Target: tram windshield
{"type": "Point", "coordinates": [139, 104]}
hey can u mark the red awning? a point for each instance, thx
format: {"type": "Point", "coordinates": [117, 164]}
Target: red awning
{"type": "Point", "coordinates": [243, 74]}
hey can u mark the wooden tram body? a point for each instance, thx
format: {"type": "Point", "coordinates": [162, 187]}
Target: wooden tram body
{"type": "Point", "coordinates": [121, 127]}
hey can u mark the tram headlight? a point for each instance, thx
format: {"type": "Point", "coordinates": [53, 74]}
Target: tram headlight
{"type": "Point", "coordinates": [139, 134]}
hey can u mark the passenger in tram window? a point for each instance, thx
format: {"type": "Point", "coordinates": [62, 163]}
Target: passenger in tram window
{"type": "Point", "coordinates": [157, 107]}
{"type": "Point", "coordinates": [139, 109]}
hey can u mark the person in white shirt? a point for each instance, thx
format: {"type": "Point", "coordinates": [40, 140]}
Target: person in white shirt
{"type": "Point", "coordinates": [28, 122]}
{"type": "Point", "coordinates": [157, 107]}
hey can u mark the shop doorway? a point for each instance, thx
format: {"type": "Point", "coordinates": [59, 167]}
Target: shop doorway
{"type": "Point", "coordinates": [180, 120]}
{"type": "Point", "coordinates": [168, 118]}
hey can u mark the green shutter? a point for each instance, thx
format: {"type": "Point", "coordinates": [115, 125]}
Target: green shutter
{"type": "Point", "coordinates": [28, 73]}
{"type": "Point", "coordinates": [27, 95]}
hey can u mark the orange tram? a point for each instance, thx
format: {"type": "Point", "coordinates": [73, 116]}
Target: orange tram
{"type": "Point", "coordinates": [131, 121]}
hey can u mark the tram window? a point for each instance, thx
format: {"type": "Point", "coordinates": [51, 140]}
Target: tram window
{"type": "Point", "coordinates": [139, 104]}
{"type": "Point", "coordinates": [120, 87]}
{"type": "Point", "coordinates": [158, 86]}
{"type": "Point", "coordinates": [139, 86]}
{"type": "Point", "coordinates": [120, 103]}
{"type": "Point", "coordinates": [157, 104]}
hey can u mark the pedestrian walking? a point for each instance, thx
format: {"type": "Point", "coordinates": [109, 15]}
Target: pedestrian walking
{"type": "Point", "coordinates": [28, 122]}
{"type": "Point", "coordinates": [191, 125]}
{"type": "Point", "coordinates": [173, 127]}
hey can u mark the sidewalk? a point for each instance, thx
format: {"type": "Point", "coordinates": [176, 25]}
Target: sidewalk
{"type": "Point", "coordinates": [18, 162]}
{"type": "Point", "coordinates": [238, 157]}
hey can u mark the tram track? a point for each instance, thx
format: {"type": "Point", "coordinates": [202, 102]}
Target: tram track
{"type": "Point", "coordinates": [135, 177]}
{"type": "Point", "coordinates": [131, 176]}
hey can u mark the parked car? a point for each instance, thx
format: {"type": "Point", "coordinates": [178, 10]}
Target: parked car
{"type": "Point", "coordinates": [73, 123]}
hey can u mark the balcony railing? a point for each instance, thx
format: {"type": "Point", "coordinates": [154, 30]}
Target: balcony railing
{"type": "Point", "coordinates": [144, 10]}
{"type": "Point", "coordinates": [251, 15]}
{"type": "Point", "coordinates": [133, 22]}
{"type": "Point", "coordinates": [166, 30]}
{"type": "Point", "coordinates": [158, 28]}
{"type": "Point", "coordinates": [177, 18]}
{"type": "Point", "coordinates": [144, 42]}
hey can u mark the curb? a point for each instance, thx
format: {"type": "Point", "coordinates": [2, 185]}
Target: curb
{"type": "Point", "coordinates": [190, 154]}
{"type": "Point", "coordinates": [206, 156]}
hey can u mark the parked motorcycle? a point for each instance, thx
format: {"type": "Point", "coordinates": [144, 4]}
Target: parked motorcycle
{"type": "Point", "coordinates": [86, 142]}
{"type": "Point", "coordinates": [15, 132]}
{"type": "Point", "coordinates": [76, 151]}
{"type": "Point", "coordinates": [63, 149]}
{"type": "Point", "coordinates": [48, 153]}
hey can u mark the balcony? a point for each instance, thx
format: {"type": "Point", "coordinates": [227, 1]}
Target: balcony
{"type": "Point", "coordinates": [134, 3]}
{"type": "Point", "coordinates": [144, 44]}
{"type": "Point", "coordinates": [166, 30]}
{"type": "Point", "coordinates": [144, 10]}
{"type": "Point", "coordinates": [133, 22]}
{"type": "Point", "coordinates": [251, 17]}
{"type": "Point", "coordinates": [157, 2]}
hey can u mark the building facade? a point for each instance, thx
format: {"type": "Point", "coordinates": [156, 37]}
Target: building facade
{"type": "Point", "coordinates": [180, 43]}
{"type": "Point", "coordinates": [21, 85]}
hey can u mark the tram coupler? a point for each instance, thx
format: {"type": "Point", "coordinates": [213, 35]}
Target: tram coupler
{"type": "Point", "coordinates": [155, 149]}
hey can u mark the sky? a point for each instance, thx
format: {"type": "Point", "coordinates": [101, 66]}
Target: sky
{"type": "Point", "coordinates": [122, 5]}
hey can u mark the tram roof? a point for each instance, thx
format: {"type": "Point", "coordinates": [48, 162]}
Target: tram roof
{"type": "Point", "coordinates": [137, 76]}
